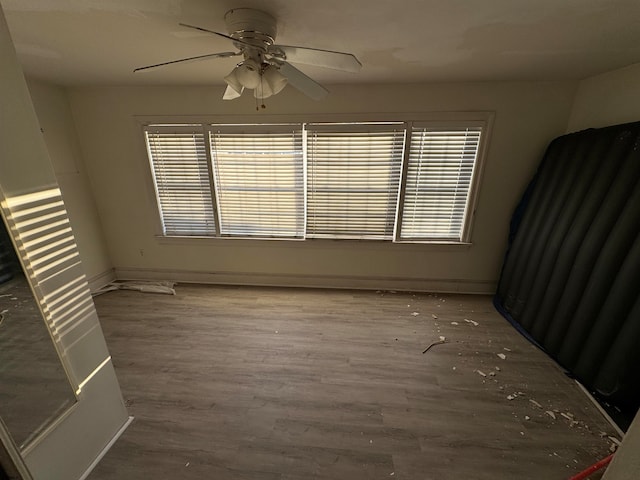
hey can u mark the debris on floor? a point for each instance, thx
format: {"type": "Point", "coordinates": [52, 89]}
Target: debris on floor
{"type": "Point", "coordinates": [535, 403]}
{"type": "Point", "coordinates": [415, 314]}
{"type": "Point", "coordinates": [614, 440]}
{"type": "Point", "coordinates": [434, 316]}
{"type": "Point", "coordinates": [502, 356]}
{"type": "Point", "coordinates": [442, 340]}
{"type": "Point", "coordinates": [472, 322]}
{"type": "Point", "coordinates": [551, 414]}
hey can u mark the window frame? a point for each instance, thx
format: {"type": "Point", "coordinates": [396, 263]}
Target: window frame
{"type": "Point", "coordinates": [482, 119]}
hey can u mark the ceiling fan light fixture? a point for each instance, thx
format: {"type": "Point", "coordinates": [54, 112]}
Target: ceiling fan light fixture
{"type": "Point", "coordinates": [274, 79]}
{"type": "Point", "coordinates": [233, 82]}
{"type": "Point", "coordinates": [272, 83]}
{"type": "Point", "coordinates": [248, 73]}
{"type": "Point", "coordinates": [230, 93]}
{"type": "Point", "coordinates": [263, 91]}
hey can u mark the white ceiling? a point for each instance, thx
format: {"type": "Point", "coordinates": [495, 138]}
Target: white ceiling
{"type": "Point", "coordinates": [100, 42]}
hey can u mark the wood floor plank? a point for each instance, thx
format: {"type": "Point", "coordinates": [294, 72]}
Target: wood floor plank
{"type": "Point", "coordinates": [289, 384]}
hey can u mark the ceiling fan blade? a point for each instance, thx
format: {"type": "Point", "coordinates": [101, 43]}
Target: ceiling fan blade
{"type": "Point", "coordinates": [190, 59]}
{"type": "Point", "coordinates": [314, 56]}
{"type": "Point", "coordinates": [299, 80]}
{"type": "Point", "coordinates": [218, 33]}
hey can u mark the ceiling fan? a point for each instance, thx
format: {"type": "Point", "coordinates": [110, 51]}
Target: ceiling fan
{"type": "Point", "coordinates": [265, 67]}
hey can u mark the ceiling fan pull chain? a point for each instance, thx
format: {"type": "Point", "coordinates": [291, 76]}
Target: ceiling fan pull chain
{"type": "Point", "coordinates": [262, 91]}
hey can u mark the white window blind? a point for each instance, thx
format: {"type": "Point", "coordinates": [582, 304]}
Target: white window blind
{"type": "Point", "coordinates": [353, 176]}
{"type": "Point", "coordinates": [259, 179]}
{"type": "Point", "coordinates": [438, 182]}
{"type": "Point", "coordinates": [398, 181]}
{"type": "Point", "coordinates": [181, 176]}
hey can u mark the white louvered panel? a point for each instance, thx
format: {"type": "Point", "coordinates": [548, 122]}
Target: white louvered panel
{"type": "Point", "coordinates": [259, 180]}
{"type": "Point", "coordinates": [69, 303]}
{"type": "Point", "coordinates": [182, 181]}
{"type": "Point", "coordinates": [45, 233]}
{"type": "Point", "coordinates": [69, 311]}
{"type": "Point", "coordinates": [45, 242]}
{"type": "Point", "coordinates": [438, 181]}
{"type": "Point", "coordinates": [353, 177]}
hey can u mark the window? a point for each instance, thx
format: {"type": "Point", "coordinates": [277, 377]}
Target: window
{"type": "Point", "coordinates": [353, 177]}
{"type": "Point", "coordinates": [438, 181]}
{"type": "Point", "coordinates": [394, 181]}
{"type": "Point", "coordinates": [259, 180]}
{"type": "Point", "coordinates": [181, 178]}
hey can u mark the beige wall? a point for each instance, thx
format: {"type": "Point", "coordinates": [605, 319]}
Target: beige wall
{"type": "Point", "coordinates": [527, 117]}
{"type": "Point", "coordinates": [58, 129]}
{"type": "Point", "coordinates": [607, 99]}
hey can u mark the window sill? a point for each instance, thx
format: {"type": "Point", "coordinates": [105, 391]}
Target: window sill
{"type": "Point", "coordinates": [306, 243]}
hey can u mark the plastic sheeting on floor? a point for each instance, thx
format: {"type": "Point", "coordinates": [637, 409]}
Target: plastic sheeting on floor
{"type": "Point", "coordinates": [140, 286]}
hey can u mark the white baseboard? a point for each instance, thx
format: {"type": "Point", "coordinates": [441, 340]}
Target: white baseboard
{"type": "Point", "coordinates": [311, 281]}
{"type": "Point", "coordinates": [100, 280]}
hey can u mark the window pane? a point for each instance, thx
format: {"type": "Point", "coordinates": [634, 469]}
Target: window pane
{"type": "Point", "coordinates": [181, 178]}
{"type": "Point", "coordinates": [259, 179]}
{"type": "Point", "coordinates": [353, 175]}
{"type": "Point", "coordinates": [439, 175]}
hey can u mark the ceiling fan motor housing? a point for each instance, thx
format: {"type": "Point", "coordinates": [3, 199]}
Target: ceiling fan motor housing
{"type": "Point", "coordinates": [251, 26]}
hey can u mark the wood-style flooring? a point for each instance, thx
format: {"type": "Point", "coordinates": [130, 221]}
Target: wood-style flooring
{"type": "Point", "coordinates": [294, 384]}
